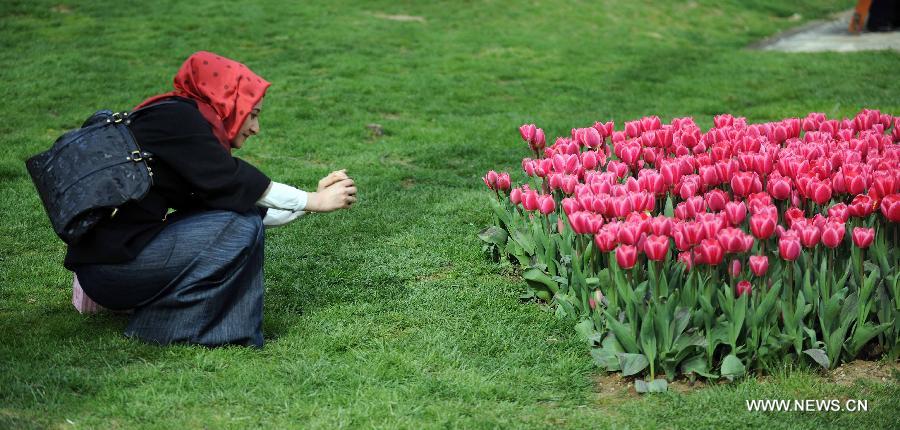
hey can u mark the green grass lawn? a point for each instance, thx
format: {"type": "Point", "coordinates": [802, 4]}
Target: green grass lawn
{"type": "Point", "coordinates": [388, 315]}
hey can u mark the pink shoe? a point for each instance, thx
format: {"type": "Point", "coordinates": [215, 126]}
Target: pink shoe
{"type": "Point", "coordinates": [81, 301]}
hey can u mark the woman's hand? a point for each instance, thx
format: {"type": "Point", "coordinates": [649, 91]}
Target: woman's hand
{"type": "Point", "coordinates": [339, 195]}
{"type": "Point", "coordinates": [332, 178]}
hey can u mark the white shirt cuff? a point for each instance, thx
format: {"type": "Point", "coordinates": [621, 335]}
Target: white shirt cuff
{"type": "Point", "coordinates": [278, 217]}
{"type": "Point", "coordinates": [284, 197]}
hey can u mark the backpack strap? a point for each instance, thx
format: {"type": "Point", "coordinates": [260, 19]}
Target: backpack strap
{"type": "Point", "coordinates": [127, 117]}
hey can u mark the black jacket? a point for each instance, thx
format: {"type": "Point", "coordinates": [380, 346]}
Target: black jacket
{"type": "Point", "coordinates": [191, 172]}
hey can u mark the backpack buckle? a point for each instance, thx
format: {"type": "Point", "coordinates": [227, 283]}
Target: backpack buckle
{"type": "Point", "coordinates": [136, 156]}
{"type": "Point", "coordinates": [118, 117]}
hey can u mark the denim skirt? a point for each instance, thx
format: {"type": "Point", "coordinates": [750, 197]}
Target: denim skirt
{"type": "Point", "coordinates": [199, 281]}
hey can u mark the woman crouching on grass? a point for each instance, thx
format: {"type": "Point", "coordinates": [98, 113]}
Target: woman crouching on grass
{"type": "Point", "coordinates": [195, 275]}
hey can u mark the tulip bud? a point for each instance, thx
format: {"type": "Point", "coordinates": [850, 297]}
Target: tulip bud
{"type": "Point", "coordinates": [735, 268]}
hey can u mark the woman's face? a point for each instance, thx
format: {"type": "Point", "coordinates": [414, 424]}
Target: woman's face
{"type": "Point", "coordinates": [249, 128]}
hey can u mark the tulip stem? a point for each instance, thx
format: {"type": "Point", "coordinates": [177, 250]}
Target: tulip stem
{"type": "Point", "coordinates": [861, 268]}
{"type": "Point", "coordinates": [790, 289]}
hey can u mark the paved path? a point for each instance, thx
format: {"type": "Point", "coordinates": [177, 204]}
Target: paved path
{"type": "Point", "coordinates": [830, 35]}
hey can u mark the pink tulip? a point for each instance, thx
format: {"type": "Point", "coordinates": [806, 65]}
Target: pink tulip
{"type": "Point", "coordinates": [490, 179]}
{"type": "Point", "coordinates": [742, 288]}
{"type": "Point", "coordinates": [570, 206]}
{"type": "Point", "coordinates": [592, 137]}
{"type": "Point", "coordinates": [503, 182]}
{"type": "Point", "coordinates": [809, 235]}
{"type": "Point", "coordinates": [606, 239]}
{"type": "Point", "coordinates": [579, 222]}
{"type": "Point", "coordinates": [708, 252]}
{"type": "Point", "coordinates": [734, 240]}
{"type": "Point", "coordinates": [885, 183]}
{"type": "Point", "coordinates": [629, 233]}
{"type": "Point", "coordinates": [863, 237]}
{"type": "Point", "coordinates": [736, 212]}
{"type": "Point", "coordinates": [515, 196]}
{"type": "Point", "coordinates": [547, 205]}
{"type": "Point", "coordinates": [671, 173]}
{"type": "Point", "coordinates": [839, 211]}
{"type": "Point", "coordinates": [779, 187]}
{"type": "Point", "coordinates": [527, 132]}
{"type": "Point", "coordinates": [819, 191]}
{"type": "Point", "coordinates": [861, 206]}
{"type": "Point", "coordinates": [708, 176]}
{"type": "Point", "coordinates": [539, 141]}
{"type": "Point", "coordinates": [685, 258]}
{"type": "Point", "coordinates": [589, 160]}
{"type": "Point", "coordinates": [656, 247]}
{"type": "Point", "coordinates": [716, 200]}
{"type": "Point", "coordinates": [528, 166]}
{"type": "Point", "coordinates": [833, 234]}
{"type": "Point", "coordinates": [745, 183]}
{"type": "Point", "coordinates": [890, 207]}
{"type": "Point", "coordinates": [626, 256]}
{"type": "Point", "coordinates": [759, 265]}
{"type": "Point", "coordinates": [792, 215]}
{"type": "Point", "coordinates": [789, 246]}
{"type": "Point", "coordinates": [661, 225]}
{"type": "Point", "coordinates": [854, 178]}
{"type": "Point", "coordinates": [762, 225]}
{"type": "Point", "coordinates": [530, 200]}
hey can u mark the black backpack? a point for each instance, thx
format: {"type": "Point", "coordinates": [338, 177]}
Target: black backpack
{"type": "Point", "coordinates": [89, 172]}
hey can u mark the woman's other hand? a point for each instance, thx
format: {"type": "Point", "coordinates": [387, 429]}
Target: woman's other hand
{"type": "Point", "coordinates": [339, 195]}
{"type": "Point", "coordinates": [332, 178]}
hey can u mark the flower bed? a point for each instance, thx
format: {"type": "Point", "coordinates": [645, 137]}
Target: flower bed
{"type": "Point", "coordinates": [716, 253]}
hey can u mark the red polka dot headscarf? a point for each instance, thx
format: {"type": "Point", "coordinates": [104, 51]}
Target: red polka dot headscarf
{"type": "Point", "coordinates": [225, 92]}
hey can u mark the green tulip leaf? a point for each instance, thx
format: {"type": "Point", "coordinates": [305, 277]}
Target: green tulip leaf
{"type": "Point", "coordinates": [697, 364]}
{"type": "Point", "coordinates": [863, 334]}
{"type": "Point", "coordinates": [732, 367]}
{"type": "Point", "coordinates": [539, 280]}
{"type": "Point", "coordinates": [622, 333]}
{"type": "Point", "coordinates": [494, 234]}
{"type": "Point", "coordinates": [818, 356]}
{"type": "Point", "coordinates": [632, 363]}
{"type": "Point", "coordinates": [585, 329]}
{"type": "Point", "coordinates": [605, 359]}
